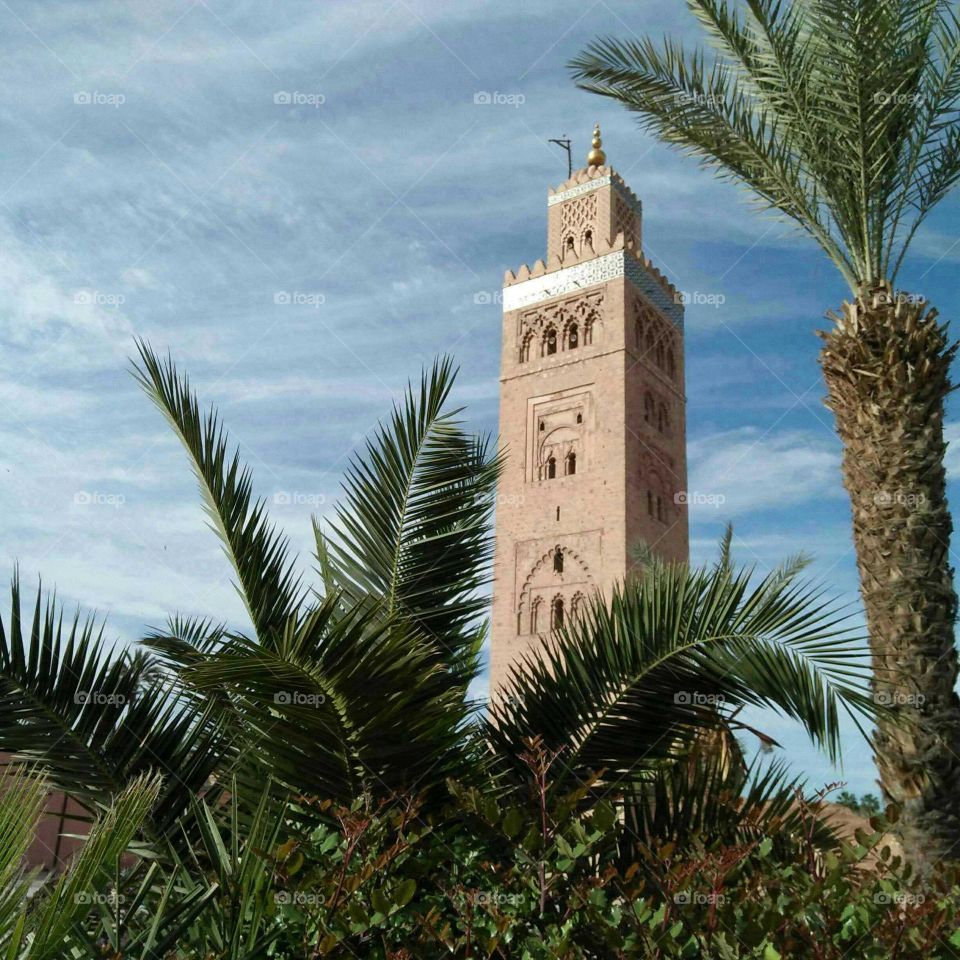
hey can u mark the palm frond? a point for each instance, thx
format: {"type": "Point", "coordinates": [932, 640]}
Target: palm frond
{"type": "Point", "coordinates": [259, 554]}
{"type": "Point", "coordinates": [633, 684]}
{"type": "Point", "coordinates": [413, 530]}
{"type": "Point", "coordinates": [22, 797]}
{"type": "Point", "coordinates": [345, 703]}
{"type": "Point", "coordinates": [708, 801]}
{"type": "Point", "coordinates": [233, 854]}
{"type": "Point", "coordinates": [840, 114]}
{"type": "Point", "coordinates": [50, 922]}
{"type": "Point", "coordinates": [92, 717]}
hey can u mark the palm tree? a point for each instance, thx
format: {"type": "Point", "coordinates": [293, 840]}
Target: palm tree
{"type": "Point", "coordinates": [363, 689]}
{"type": "Point", "coordinates": [842, 116]}
{"type": "Point", "coordinates": [358, 692]}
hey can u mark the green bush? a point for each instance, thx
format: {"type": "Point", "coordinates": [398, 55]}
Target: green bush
{"type": "Point", "coordinates": [535, 881]}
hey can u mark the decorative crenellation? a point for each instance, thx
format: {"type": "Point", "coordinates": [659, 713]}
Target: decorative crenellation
{"type": "Point", "coordinates": [597, 247]}
{"type": "Point", "coordinates": [528, 287]}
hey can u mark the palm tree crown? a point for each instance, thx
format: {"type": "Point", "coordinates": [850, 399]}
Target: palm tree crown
{"type": "Point", "coordinates": [841, 114]}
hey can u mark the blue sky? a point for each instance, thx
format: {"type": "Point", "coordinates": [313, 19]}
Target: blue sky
{"type": "Point", "coordinates": [151, 185]}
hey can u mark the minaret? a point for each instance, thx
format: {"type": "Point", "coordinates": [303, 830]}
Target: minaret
{"type": "Point", "coordinates": [592, 413]}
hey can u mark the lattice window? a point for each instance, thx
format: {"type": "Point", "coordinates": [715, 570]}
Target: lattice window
{"type": "Point", "coordinates": [578, 215]}
{"type": "Point", "coordinates": [625, 222]}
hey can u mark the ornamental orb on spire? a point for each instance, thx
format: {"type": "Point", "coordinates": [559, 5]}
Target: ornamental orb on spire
{"type": "Point", "coordinates": [596, 157]}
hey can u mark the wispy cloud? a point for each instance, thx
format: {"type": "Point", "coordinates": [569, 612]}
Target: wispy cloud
{"type": "Point", "coordinates": [303, 257]}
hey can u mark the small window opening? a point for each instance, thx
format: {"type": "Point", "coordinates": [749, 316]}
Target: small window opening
{"type": "Point", "coordinates": [557, 613]}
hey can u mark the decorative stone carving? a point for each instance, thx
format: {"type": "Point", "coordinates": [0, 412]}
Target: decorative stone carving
{"type": "Point", "coordinates": [574, 323]}
{"type": "Point", "coordinates": [578, 214]}
{"type": "Point", "coordinates": [625, 222]}
{"type": "Point", "coordinates": [544, 585]}
{"type": "Point", "coordinates": [596, 270]}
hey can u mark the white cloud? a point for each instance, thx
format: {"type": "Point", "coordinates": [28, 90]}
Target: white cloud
{"type": "Point", "coordinates": [754, 470]}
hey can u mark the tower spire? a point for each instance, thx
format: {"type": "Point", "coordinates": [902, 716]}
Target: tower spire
{"type": "Point", "coordinates": [596, 157]}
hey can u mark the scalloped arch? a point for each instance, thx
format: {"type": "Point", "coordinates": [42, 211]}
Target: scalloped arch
{"type": "Point", "coordinates": [548, 558]}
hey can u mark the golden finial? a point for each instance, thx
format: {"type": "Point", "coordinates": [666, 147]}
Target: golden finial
{"type": "Point", "coordinates": [596, 157]}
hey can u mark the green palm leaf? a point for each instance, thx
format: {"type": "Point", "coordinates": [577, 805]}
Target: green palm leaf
{"type": "Point", "coordinates": [48, 930]}
{"type": "Point", "coordinates": [676, 653]}
{"type": "Point", "coordinates": [94, 718]}
{"type": "Point", "coordinates": [344, 703]}
{"type": "Point", "coordinates": [267, 581]}
{"type": "Point", "coordinates": [840, 114]}
{"type": "Point", "coordinates": [22, 798]}
{"type": "Point", "coordinates": [707, 799]}
{"type": "Point", "coordinates": [413, 530]}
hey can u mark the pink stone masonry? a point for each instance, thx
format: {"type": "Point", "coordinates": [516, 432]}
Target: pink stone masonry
{"type": "Point", "coordinates": [592, 413]}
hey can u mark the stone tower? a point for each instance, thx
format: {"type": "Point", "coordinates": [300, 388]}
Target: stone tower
{"type": "Point", "coordinates": [592, 413]}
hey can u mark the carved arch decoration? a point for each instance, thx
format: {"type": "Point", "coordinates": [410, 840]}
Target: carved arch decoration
{"type": "Point", "coordinates": [583, 313]}
{"type": "Point", "coordinates": [537, 612]}
{"type": "Point", "coordinates": [656, 339]}
{"type": "Point", "coordinates": [558, 445]}
{"type": "Point", "coordinates": [658, 490]}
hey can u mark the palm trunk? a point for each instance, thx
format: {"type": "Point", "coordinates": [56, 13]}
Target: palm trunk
{"type": "Point", "coordinates": [886, 363]}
